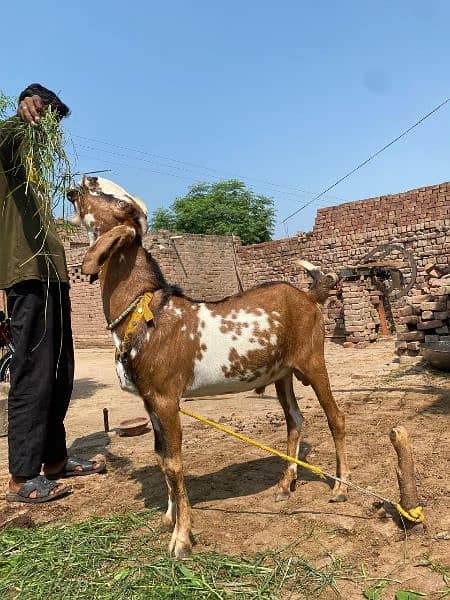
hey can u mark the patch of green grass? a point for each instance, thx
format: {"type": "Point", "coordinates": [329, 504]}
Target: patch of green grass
{"type": "Point", "coordinates": [374, 592]}
{"type": "Point", "coordinates": [125, 557]}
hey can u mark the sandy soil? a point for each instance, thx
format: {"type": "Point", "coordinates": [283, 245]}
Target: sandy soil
{"type": "Point", "coordinates": [231, 485]}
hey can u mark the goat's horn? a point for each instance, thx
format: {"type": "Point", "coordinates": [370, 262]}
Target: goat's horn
{"type": "Point", "coordinates": [305, 264]}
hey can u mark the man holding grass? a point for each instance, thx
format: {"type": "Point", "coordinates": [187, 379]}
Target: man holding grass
{"type": "Point", "coordinates": [34, 274]}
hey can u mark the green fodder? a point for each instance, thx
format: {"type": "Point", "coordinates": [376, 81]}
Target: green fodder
{"type": "Point", "coordinates": [123, 557]}
{"type": "Point", "coordinates": [40, 150]}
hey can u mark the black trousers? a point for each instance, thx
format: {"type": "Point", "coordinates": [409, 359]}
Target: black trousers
{"type": "Point", "coordinates": [41, 375]}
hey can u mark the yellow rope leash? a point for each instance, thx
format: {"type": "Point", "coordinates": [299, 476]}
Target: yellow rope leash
{"type": "Point", "coordinates": [317, 470]}
{"type": "Point", "coordinates": [414, 514]}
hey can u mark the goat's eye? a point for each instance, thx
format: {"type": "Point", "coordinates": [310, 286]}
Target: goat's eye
{"type": "Point", "coordinates": [121, 204]}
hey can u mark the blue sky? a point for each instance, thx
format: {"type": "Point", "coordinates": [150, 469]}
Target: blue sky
{"type": "Point", "coordinates": [292, 93]}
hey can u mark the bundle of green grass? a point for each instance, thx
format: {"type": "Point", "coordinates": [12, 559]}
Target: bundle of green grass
{"type": "Point", "coordinates": [40, 150]}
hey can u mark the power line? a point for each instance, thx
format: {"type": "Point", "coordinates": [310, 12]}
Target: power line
{"type": "Point", "coordinates": [139, 168]}
{"type": "Point", "coordinates": [127, 156]}
{"type": "Point", "coordinates": [190, 164]}
{"type": "Point", "coordinates": [146, 170]}
{"type": "Point", "coordinates": [367, 160]}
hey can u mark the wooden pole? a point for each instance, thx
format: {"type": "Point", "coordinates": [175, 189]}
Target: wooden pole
{"type": "Point", "coordinates": [106, 420]}
{"type": "Point", "coordinates": [382, 316]}
{"type": "Point", "coordinates": [405, 470]}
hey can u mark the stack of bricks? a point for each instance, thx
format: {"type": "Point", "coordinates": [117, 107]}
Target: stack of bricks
{"type": "Point", "coordinates": [361, 318]}
{"type": "Point", "coordinates": [334, 315]}
{"type": "Point", "coordinates": [425, 316]}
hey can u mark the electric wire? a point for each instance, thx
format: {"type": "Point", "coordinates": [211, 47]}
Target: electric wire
{"type": "Point", "coordinates": [191, 164]}
{"type": "Point", "coordinates": [279, 194]}
{"type": "Point", "coordinates": [371, 157]}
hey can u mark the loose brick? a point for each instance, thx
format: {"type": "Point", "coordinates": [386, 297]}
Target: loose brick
{"type": "Point", "coordinates": [441, 315]}
{"type": "Point", "coordinates": [429, 324]}
{"type": "Point", "coordinates": [406, 311]}
{"type": "Point", "coordinates": [430, 306]}
{"type": "Point", "coordinates": [411, 320]}
{"type": "Point", "coordinates": [442, 330]}
{"type": "Point", "coordinates": [426, 315]}
{"type": "Point", "coordinates": [411, 336]}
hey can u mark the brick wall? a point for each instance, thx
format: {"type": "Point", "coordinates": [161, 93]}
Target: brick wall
{"type": "Point", "coordinates": [88, 321]}
{"type": "Point", "coordinates": [203, 265]}
{"type": "Point", "coordinates": [342, 235]}
{"type": "Point", "coordinates": [428, 206]}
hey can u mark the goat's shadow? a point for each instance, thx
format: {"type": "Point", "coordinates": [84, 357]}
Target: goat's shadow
{"type": "Point", "coordinates": [233, 481]}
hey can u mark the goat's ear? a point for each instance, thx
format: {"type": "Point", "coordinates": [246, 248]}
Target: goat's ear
{"type": "Point", "coordinates": [105, 246]}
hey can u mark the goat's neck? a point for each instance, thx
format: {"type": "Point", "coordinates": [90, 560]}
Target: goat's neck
{"type": "Point", "coordinates": [126, 275]}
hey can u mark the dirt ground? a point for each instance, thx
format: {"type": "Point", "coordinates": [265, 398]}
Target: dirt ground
{"type": "Point", "coordinates": [231, 485]}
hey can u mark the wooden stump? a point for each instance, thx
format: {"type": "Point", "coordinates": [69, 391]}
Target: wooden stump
{"type": "Point", "coordinates": [409, 498]}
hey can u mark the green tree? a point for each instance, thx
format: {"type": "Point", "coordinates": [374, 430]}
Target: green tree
{"type": "Point", "coordinates": [222, 208]}
{"type": "Point", "coordinates": [162, 219]}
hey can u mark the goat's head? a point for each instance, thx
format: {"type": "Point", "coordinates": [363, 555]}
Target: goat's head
{"type": "Point", "coordinates": [111, 216]}
{"type": "Point", "coordinates": [101, 204]}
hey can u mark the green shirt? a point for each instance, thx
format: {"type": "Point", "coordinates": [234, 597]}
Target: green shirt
{"type": "Point", "coordinates": [26, 250]}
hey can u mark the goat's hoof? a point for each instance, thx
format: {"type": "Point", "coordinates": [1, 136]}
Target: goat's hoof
{"type": "Point", "coordinates": [339, 493]}
{"type": "Point", "coordinates": [340, 497]}
{"type": "Point", "coordinates": [282, 495]}
{"type": "Point", "coordinates": [293, 485]}
{"type": "Point", "coordinates": [180, 550]}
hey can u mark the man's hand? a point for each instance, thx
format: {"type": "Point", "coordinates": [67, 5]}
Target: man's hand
{"type": "Point", "coordinates": [30, 109]}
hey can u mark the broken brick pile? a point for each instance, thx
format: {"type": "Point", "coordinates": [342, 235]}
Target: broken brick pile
{"type": "Point", "coordinates": [424, 318]}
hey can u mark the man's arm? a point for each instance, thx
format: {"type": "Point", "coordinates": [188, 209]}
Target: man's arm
{"type": "Point", "coordinates": [30, 109]}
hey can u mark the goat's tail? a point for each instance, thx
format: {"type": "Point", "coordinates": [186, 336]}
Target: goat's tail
{"type": "Point", "coordinates": [322, 283]}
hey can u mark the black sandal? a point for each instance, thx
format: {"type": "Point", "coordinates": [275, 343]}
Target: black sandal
{"type": "Point", "coordinates": [70, 468]}
{"type": "Point", "coordinates": [42, 486]}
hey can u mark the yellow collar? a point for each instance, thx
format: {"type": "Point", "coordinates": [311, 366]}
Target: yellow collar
{"type": "Point", "coordinates": [140, 311]}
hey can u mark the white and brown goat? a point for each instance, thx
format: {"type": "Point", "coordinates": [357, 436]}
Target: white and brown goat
{"type": "Point", "coordinates": [190, 348]}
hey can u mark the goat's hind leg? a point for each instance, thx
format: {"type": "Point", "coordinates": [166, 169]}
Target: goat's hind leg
{"type": "Point", "coordinates": [166, 423]}
{"type": "Point", "coordinates": [319, 380]}
{"type": "Point", "coordinates": [294, 420]}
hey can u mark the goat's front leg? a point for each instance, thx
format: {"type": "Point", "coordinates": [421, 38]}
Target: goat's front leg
{"type": "Point", "coordinates": [167, 427]}
{"type": "Point", "coordinates": [170, 516]}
